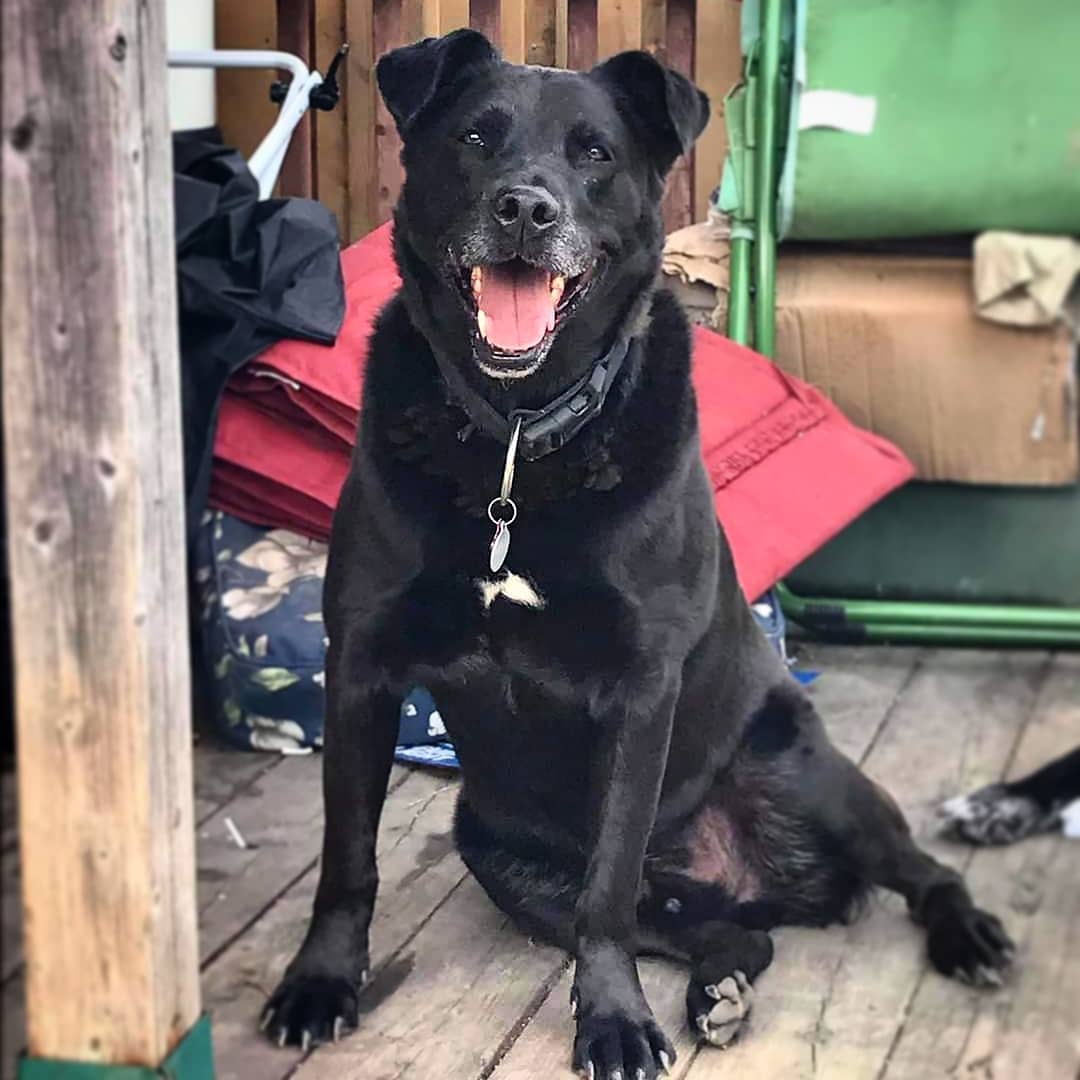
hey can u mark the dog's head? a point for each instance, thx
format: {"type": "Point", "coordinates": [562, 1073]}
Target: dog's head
{"type": "Point", "coordinates": [531, 204]}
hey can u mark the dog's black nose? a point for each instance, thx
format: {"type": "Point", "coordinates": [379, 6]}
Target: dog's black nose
{"type": "Point", "coordinates": [531, 209]}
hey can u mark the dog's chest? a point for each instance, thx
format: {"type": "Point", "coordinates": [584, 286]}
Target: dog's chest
{"type": "Point", "coordinates": [446, 626]}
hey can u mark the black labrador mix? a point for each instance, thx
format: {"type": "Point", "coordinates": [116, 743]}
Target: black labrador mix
{"type": "Point", "coordinates": [640, 772]}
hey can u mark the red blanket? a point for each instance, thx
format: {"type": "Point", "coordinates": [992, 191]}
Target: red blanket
{"type": "Point", "coordinates": [788, 470]}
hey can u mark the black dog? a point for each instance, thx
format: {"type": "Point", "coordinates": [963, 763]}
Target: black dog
{"type": "Point", "coordinates": [1047, 799]}
{"type": "Point", "coordinates": [640, 773]}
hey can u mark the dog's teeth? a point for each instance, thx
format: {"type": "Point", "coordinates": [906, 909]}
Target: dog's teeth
{"type": "Point", "coordinates": [481, 321]}
{"type": "Point", "coordinates": [558, 287]}
{"type": "Point", "coordinates": [477, 279]}
{"type": "Point", "coordinates": [551, 319]}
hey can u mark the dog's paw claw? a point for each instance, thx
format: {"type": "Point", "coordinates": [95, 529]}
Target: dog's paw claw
{"type": "Point", "coordinates": [307, 1010]}
{"type": "Point", "coordinates": [718, 1010]}
{"type": "Point", "coordinates": [972, 946]}
{"type": "Point", "coordinates": [618, 1047]}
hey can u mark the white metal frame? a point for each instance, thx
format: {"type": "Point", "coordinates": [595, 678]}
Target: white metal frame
{"type": "Point", "coordinates": [265, 163]}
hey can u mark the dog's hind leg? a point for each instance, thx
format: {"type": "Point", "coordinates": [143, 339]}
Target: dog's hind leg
{"type": "Point", "coordinates": [542, 898]}
{"type": "Point", "coordinates": [532, 888]}
{"type": "Point", "coordinates": [725, 960]}
{"type": "Point", "coordinates": [962, 940]}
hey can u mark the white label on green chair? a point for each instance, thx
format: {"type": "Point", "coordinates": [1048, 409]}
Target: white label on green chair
{"type": "Point", "coordinates": [837, 109]}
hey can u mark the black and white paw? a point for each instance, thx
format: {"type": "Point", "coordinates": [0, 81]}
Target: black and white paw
{"type": "Point", "coordinates": [1070, 820]}
{"type": "Point", "coordinates": [716, 1010]}
{"type": "Point", "coordinates": [621, 1047]}
{"type": "Point", "coordinates": [971, 945]}
{"type": "Point", "coordinates": [306, 1010]}
{"type": "Point", "coordinates": [993, 816]}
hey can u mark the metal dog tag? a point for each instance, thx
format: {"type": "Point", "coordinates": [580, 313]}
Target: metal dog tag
{"type": "Point", "coordinates": [500, 546]}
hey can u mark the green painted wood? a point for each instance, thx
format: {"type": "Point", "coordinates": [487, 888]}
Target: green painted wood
{"type": "Point", "coordinates": [193, 1059]}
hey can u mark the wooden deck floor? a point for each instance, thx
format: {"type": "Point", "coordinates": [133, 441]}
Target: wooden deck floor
{"type": "Point", "coordinates": [458, 993]}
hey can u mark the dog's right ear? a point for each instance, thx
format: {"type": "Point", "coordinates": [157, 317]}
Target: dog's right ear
{"type": "Point", "coordinates": [411, 77]}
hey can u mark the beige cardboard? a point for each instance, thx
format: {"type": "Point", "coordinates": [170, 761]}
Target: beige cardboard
{"type": "Point", "coordinates": [895, 342]}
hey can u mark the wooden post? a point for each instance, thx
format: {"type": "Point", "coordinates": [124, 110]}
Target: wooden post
{"type": "Point", "coordinates": [91, 419]}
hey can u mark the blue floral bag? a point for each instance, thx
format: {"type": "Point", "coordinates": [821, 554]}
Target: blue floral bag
{"type": "Point", "coordinates": [260, 593]}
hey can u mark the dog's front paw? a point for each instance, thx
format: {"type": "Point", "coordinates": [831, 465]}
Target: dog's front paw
{"type": "Point", "coordinates": [717, 1009]}
{"type": "Point", "coordinates": [621, 1047]}
{"type": "Point", "coordinates": [306, 1010]}
{"type": "Point", "coordinates": [993, 815]}
{"type": "Point", "coordinates": [970, 945]}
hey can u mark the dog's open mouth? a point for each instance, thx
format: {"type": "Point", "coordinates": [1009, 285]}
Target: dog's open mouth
{"type": "Point", "coordinates": [518, 309]}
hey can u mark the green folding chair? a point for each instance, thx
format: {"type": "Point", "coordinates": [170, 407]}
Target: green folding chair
{"type": "Point", "coordinates": [949, 94]}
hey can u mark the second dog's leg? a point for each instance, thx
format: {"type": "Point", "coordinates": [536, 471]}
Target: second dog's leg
{"type": "Point", "coordinates": [1004, 813]}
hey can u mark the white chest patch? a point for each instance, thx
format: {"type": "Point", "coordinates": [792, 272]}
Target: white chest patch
{"type": "Point", "coordinates": [513, 587]}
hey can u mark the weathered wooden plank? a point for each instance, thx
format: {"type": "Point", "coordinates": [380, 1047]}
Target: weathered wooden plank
{"type": "Point", "coordinates": [331, 150]}
{"type": "Point", "coordinates": [860, 686]}
{"type": "Point", "coordinates": [295, 35]}
{"type": "Point", "coordinates": [619, 25]}
{"type": "Point", "coordinates": [484, 16]}
{"type": "Point", "coordinates": [678, 53]}
{"type": "Point", "coordinates": [466, 982]}
{"type": "Point", "coordinates": [717, 68]}
{"type": "Point", "coordinates": [581, 49]}
{"type": "Point", "coordinates": [833, 1001]}
{"type": "Point", "coordinates": [395, 24]}
{"type": "Point", "coordinates": [245, 112]}
{"type": "Point", "coordinates": [362, 117]}
{"type": "Point", "coordinates": [442, 16]}
{"type": "Point", "coordinates": [280, 821]}
{"type": "Point", "coordinates": [513, 42]}
{"type": "Point", "coordinates": [562, 33]}
{"type": "Point", "coordinates": [1030, 1028]}
{"type": "Point", "coordinates": [541, 32]}
{"type": "Point", "coordinates": [222, 773]}
{"type": "Point", "coordinates": [418, 869]}
{"type": "Point", "coordinates": [91, 411]}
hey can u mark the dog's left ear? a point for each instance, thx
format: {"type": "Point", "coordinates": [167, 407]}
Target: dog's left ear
{"type": "Point", "coordinates": [668, 110]}
{"type": "Point", "coordinates": [410, 77]}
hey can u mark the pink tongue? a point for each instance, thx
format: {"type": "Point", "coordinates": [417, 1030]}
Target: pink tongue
{"type": "Point", "coordinates": [516, 302]}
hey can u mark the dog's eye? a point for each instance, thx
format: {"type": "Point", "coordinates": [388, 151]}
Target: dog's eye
{"type": "Point", "coordinates": [472, 137]}
{"type": "Point", "coordinates": [597, 152]}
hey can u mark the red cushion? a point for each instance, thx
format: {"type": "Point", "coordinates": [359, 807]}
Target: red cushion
{"type": "Point", "coordinates": [789, 470]}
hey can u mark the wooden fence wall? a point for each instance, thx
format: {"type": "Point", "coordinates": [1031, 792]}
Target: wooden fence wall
{"type": "Point", "coordinates": [349, 158]}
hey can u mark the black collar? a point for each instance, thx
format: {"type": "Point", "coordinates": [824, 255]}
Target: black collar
{"type": "Point", "coordinates": [543, 430]}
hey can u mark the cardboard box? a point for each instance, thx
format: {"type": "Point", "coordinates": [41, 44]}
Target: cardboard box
{"type": "Point", "coordinates": [894, 340]}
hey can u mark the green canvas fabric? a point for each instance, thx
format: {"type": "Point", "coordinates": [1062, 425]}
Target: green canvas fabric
{"type": "Point", "coordinates": [946, 542]}
{"type": "Point", "coordinates": [977, 118]}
